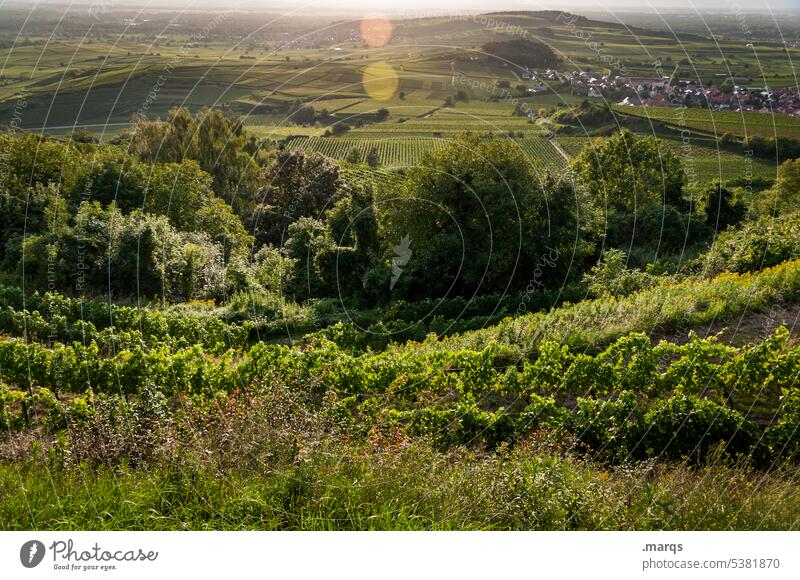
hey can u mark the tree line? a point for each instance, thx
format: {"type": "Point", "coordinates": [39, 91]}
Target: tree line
{"type": "Point", "coordinates": [193, 207]}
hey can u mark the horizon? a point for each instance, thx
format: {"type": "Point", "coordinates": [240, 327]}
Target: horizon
{"type": "Point", "coordinates": [401, 7]}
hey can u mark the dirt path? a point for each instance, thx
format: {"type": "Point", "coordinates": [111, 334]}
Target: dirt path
{"type": "Point", "coordinates": [745, 328]}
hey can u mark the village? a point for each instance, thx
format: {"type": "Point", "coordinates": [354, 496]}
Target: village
{"type": "Point", "coordinates": [669, 92]}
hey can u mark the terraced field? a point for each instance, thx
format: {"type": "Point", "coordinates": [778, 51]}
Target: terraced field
{"type": "Point", "coordinates": [406, 151]}
{"type": "Point", "coordinates": [719, 122]}
{"type": "Point", "coordinates": [392, 152]}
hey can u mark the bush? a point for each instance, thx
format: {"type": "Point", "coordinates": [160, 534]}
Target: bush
{"type": "Point", "coordinates": [754, 245]}
{"type": "Point", "coordinates": [611, 277]}
{"type": "Point", "coordinates": [689, 426]}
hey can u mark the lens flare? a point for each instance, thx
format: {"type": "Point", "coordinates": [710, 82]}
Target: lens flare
{"type": "Point", "coordinates": [376, 31]}
{"type": "Point", "coordinates": [380, 81]}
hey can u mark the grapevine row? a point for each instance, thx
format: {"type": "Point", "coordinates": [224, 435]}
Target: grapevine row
{"type": "Point", "coordinates": [632, 400]}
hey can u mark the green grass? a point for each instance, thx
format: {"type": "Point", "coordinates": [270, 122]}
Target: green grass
{"type": "Point", "coordinates": [406, 487]}
{"type": "Point", "coordinates": [590, 324]}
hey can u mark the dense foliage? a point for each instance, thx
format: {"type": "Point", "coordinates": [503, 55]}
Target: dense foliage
{"type": "Point", "coordinates": [523, 52]}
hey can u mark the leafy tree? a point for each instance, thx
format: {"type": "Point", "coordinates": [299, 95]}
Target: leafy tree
{"type": "Point", "coordinates": [727, 86]}
{"type": "Point", "coordinates": [219, 144]}
{"type": "Point", "coordinates": [304, 115]}
{"type": "Point", "coordinates": [83, 136]}
{"type": "Point", "coordinates": [372, 157]}
{"type": "Point", "coordinates": [478, 219]}
{"type": "Point", "coordinates": [113, 176]}
{"type": "Point", "coordinates": [308, 239]}
{"type": "Point", "coordinates": [587, 114]}
{"type": "Point", "coordinates": [271, 268]}
{"type": "Point", "coordinates": [353, 155]}
{"type": "Point", "coordinates": [722, 207]}
{"type": "Point", "coordinates": [33, 171]}
{"type": "Point", "coordinates": [655, 230]}
{"type": "Point", "coordinates": [297, 185]}
{"type": "Point", "coordinates": [630, 172]}
{"type": "Point", "coordinates": [177, 191]}
{"type": "Point", "coordinates": [216, 220]}
{"type": "Point", "coordinates": [784, 197]}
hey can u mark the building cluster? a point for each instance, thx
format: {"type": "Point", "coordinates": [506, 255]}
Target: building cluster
{"type": "Point", "coordinates": [667, 92]}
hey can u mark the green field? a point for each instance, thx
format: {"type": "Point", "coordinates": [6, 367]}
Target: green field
{"type": "Point", "coordinates": [402, 151]}
{"type": "Point", "coordinates": [702, 160]}
{"type": "Point", "coordinates": [719, 122]}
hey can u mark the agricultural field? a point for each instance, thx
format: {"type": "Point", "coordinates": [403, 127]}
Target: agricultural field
{"type": "Point", "coordinates": [625, 402]}
{"type": "Point", "coordinates": [703, 160]}
{"type": "Point", "coordinates": [401, 151]}
{"type": "Point", "coordinates": [719, 122]}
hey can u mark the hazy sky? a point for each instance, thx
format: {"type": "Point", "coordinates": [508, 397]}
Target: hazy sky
{"type": "Point", "coordinates": [400, 6]}
{"type": "Point", "coordinates": [495, 5]}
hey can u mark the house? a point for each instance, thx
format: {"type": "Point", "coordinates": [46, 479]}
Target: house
{"type": "Point", "coordinates": [631, 101]}
{"type": "Point", "coordinates": [647, 82]}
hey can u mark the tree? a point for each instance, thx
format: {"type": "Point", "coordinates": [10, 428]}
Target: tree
{"type": "Point", "coordinates": [304, 115]}
{"type": "Point", "coordinates": [218, 143]}
{"type": "Point", "coordinates": [33, 170]}
{"type": "Point", "coordinates": [177, 191]}
{"type": "Point", "coordinates": [727, 86]}
{"type": "Point", "coordinates": [629, 172]}
{"type": "Point", "coordinates": [372, 157]}
{"type": "Point", "coordinates": [722, 207]}
{"type": "Point", "coordinates": [296, 185]}
{"type": "Point", "coordinates": [784, 197]}
{"type": "Point", "coordinates": [477, 219]}
{"type": "Point", "coordinates": [307, 240]}
{"type": "Point", "coordinates": [353, 155]}
{"type": "Point", "coordinates": [83, 136]}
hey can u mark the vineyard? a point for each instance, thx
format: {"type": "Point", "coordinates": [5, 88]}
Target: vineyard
{"type": "Point", "coordinates": [617, 393]}
{"type": "Point", "coordinates": [591, 415]}
{"type": "Point", "coordinates": [396, 152]}
{"type": "Point", "coordinates": [719, 122]}
{"type": "Point", "coordinates": [590, 324]}
{"type": "Point", "coordinates": [747, 398]}
{"type": "Point", "coordinates": [702, 160]}
{"type": "Point", "coordinates": [392, 152]}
